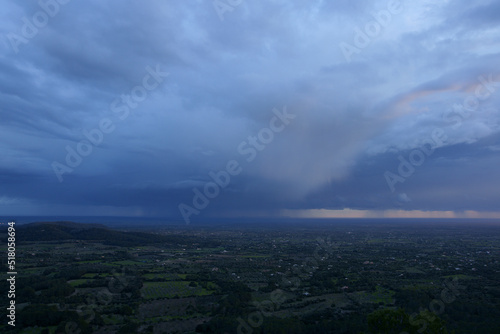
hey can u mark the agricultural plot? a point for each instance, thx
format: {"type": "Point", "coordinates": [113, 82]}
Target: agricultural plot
{"type": "Point", "coordinates": [380, 295]}
{"type": "Point", "coordinates": [156, 290]}
{"type": "Point", "coordinates": [162, 276]}
{"type": "Point", "coordinates": [78, 282]}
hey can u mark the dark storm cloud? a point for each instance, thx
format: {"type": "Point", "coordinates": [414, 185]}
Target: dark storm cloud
{"type": "Point", "coordinates": [475, 16]}
{"type": "Point", "coordinates": [351, 119]}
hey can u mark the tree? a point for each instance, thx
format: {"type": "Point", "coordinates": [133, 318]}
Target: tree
{"type": "Point", "coordinates": [388, 321]}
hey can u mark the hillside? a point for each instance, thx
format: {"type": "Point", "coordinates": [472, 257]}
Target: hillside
{"type": "Point", "coordinates": [53, 231]}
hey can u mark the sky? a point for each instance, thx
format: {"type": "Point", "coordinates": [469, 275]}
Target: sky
{"type": "Point", "coordinates": [235, 108]}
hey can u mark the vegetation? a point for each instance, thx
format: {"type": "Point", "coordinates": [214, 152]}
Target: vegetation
{"type": "Point", "coordinates": [315, 278]}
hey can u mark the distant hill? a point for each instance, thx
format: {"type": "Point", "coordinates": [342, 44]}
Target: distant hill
{"type": "Point", "coordinates": [69, 224]}
{"type": "Point", "coordinates": [53, 231]}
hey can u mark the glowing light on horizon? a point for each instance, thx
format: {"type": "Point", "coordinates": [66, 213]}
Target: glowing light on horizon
{"type": "Point", "coordinates": [353, 213]}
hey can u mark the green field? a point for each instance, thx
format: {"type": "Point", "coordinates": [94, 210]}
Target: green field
{"type": "Point", "coordinates": [164, 276]}
{"type": "Point", "coordinates": [78, 282]}
{"type": "Point", "coordinates": [156, 290]}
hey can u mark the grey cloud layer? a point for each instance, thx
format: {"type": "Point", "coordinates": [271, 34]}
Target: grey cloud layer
{"type": "Point", "coordinates": [225, 77]}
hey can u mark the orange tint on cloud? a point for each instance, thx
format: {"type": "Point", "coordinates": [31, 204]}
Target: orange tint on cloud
{"type": "Point", "coordinates": [403, 105]}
